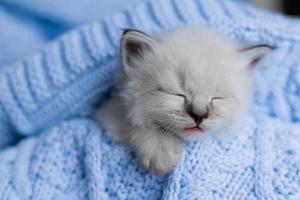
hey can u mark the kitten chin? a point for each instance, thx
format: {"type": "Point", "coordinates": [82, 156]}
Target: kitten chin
{"type": "Point", "coordinates": [177, 86]}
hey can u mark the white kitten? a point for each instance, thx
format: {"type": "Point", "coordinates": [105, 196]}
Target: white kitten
{"type": "Point", "coordinates": [174, 87]}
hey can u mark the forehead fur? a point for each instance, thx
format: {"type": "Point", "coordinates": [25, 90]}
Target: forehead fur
{"type": "Point", "coordinates": [202, 48]}
{"type": "Point", "coordinates": [196, 56]}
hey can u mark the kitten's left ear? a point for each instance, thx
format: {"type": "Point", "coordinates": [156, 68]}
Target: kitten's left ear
{"type": "Point", "coordinates": [255, 53]}
{"type": "Point", "coordinates": [135, 47]}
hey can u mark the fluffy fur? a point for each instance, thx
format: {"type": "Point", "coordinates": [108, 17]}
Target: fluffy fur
{"type": "Point", "coordinates": [177, 86]}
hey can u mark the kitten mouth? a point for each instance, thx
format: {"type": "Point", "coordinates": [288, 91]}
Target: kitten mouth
{"type": "Point", "coordinates": [197, 128]}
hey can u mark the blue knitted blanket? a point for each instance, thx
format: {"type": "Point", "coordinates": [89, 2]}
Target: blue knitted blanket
{"type": "Point", "coordinates": [46, 98]}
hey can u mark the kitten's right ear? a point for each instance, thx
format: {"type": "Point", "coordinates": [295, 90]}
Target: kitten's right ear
{"type": "Point", "coordinates": [255, 53]}
{"type": "Point", "coordinates": [135, 45]}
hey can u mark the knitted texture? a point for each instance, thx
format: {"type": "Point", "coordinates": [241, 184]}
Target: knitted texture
{"type": "Point", "coordinates": [76, 160]}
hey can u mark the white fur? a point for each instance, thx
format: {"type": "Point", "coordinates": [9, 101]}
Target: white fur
{"type": "Point", "coordinates": [146, 113]}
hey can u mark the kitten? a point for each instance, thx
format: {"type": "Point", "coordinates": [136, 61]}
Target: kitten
{"type": "Point", "coordinates": [175, 86]}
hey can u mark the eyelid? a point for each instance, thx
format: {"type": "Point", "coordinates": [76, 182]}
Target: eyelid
{"type": "Point", "coordinates": [219, 98]}
{"type": "Point", "coordinates": [215, 98]}
{"type": "Point", "coordinates": [176, 94]}
{"type": "Point", "coordinates": [181, 95]}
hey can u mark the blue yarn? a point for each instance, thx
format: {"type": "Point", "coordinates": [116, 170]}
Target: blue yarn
{"type": "Point", "coordinates": [66, 156]}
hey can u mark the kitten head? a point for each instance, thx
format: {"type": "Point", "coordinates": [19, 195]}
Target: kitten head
{"type": "Point", "coordinates": [186, 82]}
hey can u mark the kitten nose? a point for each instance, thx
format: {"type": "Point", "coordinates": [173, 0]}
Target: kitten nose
{"type": "Point", "coordinates": [198, 118]}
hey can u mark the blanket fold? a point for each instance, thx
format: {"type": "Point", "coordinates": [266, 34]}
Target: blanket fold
{"type": "Point", "coordinates": [66, 158]}
{"type": "Point", "coordinates": [76, 160]}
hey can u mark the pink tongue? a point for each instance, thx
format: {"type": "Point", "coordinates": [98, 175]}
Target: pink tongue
{"type": "Point", "coordinates": [196, 128]}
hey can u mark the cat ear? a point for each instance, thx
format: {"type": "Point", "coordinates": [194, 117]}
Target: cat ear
{"type": "Point", "coordinates": [135, 46]}
{"type": "Point", "coordinates": [255, 53]}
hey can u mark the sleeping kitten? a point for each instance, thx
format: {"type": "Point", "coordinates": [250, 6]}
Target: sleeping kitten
{"type": "Point", "coordinates": [174, 87]}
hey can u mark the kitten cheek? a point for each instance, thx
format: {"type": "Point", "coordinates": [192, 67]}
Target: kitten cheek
{"type": "Point", "coordinates": [212, 124]}
{"type": "Point", "coordinates": [224, 109]}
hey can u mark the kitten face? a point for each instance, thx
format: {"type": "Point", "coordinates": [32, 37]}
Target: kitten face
{"type": "Point", "coordinates": [186, 82]}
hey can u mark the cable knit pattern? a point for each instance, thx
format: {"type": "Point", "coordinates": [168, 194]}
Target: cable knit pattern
{"type": "Point", "coordinates": [73, 159]}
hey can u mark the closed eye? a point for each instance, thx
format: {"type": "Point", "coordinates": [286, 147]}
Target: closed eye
{"type": "Point", "coordinates": [176, 94]}
{"type": "Point", "coordinates": [216, 98]}
{"type": "Point", "coordinates": [180, 95]}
